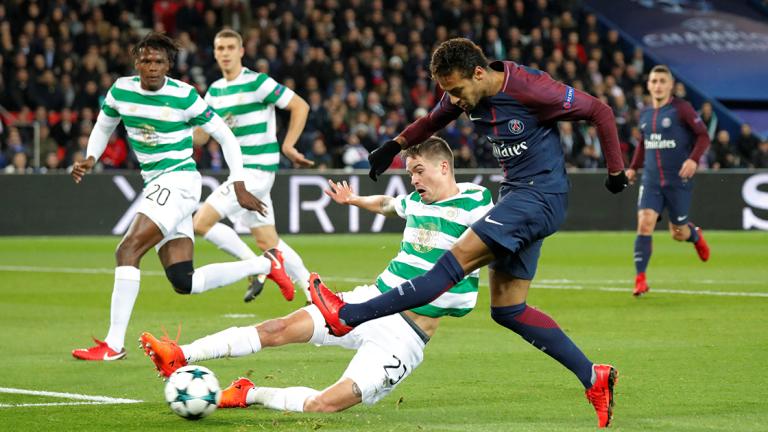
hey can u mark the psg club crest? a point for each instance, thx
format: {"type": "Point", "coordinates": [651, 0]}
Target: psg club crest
{"type": "Point", "coordinates": [666, 122]}
{"type": "Point", "coordinates": [516, 126]}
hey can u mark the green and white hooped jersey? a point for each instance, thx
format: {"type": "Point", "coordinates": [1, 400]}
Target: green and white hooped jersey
{"type": "Point", "coordinates": [432, 229]}
{"type": "Point", "coordinates": [159, 123]}
{"type": "Point", "coordinates": [247, 105]}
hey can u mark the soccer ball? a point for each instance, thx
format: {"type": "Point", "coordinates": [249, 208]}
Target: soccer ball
{"type": "Point", "coordinates": [193, 392]}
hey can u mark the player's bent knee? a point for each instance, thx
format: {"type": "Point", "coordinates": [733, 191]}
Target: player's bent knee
{"type": "Point", "coordinates": [128, 250]}
{"type": "Point", "coordinates": [180, 276]}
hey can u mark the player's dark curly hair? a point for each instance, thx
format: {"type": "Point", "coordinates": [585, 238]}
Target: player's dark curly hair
{"type": "Point", "coordinates": [158, 41]}
{"type": "Point", "coordinates": [432, 148]}
{"type": "Point", "coordinates": [458, 54]}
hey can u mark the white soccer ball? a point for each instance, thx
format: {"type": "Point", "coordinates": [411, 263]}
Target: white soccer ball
{"type": "Point", "coordinates": [193, 392]}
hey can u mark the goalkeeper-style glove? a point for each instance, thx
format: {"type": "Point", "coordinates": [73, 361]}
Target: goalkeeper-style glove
{"type": "Point", "coordinates": [381, 158]}
{"type": "Point", "coordinates": [616, 183]}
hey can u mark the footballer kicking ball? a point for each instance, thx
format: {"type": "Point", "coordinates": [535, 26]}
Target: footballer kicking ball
{"type": "Point", "coordinates": [193, 392]}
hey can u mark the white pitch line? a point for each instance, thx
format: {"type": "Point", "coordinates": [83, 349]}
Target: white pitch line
{"type": "Point", "coordinates": [655, 290]}
{"type": "Point", "coordinates": [75, 270]}
{"type": "Point", "coordinates": [561, 284]}
{"type": "Point", "coordinates": [50, 404]}
{"type": "Point", "coordinates": [91, 400]}
{"type": "Point", "coordinates": [239, 315]}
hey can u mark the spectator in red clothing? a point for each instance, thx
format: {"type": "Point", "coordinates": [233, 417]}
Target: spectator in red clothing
{"type": "Point", "coordinates": [115, 154]}
{"type": "Point", "coordinates": [164, 11]}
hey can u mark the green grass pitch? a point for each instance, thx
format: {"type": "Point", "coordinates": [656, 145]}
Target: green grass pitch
{"type": "Point", "coordinates": [691, 354]}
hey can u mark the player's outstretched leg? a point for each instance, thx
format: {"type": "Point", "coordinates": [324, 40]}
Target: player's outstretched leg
{"type": "Point", "coordinates": [278, 274]}
{"type": "Point", "coordinates": [697, 238]}
{"type": "Point", "coordinates": [164, 353]}
{"type": "Point", "coordinates": [235, 395]}
{"type": "Point", "coordinates": [329, 305]}
{"type": "Point", "coordinates": [600, 395]}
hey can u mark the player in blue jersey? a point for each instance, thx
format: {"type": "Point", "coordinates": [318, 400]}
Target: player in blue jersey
{"type": "Point", "coordinates": [674, 138]}
{"type": "Point", "coordinates": [517, 108]}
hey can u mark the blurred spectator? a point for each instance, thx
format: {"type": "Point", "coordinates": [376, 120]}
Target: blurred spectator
{"type": "Point", "coordinates": [65, 131]}
{"type": "Point", "coordinates": [46, 92]}
{"type": "Point", "coordinates": [319, 154]}
{"type": "Point", "coordinates": [52, 163]}
{"type": "Point", "coordinates": [14, 144]}
{"type": "Point", "coordinates": [589, 157]}
{"type": "Point", "coordinates": [115, 154]}
{"type": "Point", "coordinates": [721, 154]}
{"type": "Point", "coordinates": [47, 143]}
{"type": "Point", "coordinates": [212, 157]}
{"type": "Point", "coordinates": [746, 143]}
{"type": "Point", "coordinates": [572, 143]}
{"type": "Point", "coordinates": [680, 91]}
{"type": "Point", "coordinates": [355, 156]}
{"type": "Point", "coordinates": [18, 164]}
{"type": "Point", "coordinates": [464, 158]}
{"type": "Point", "coordinates": [709, 118]}
{"type": "Point", "coordinates": [760, 155]}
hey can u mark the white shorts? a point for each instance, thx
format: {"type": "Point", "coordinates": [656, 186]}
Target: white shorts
{"type": "Point", "coordinates": [169, 201]}
{"type": "Point", "coordinates": [257, 182]}
{"type": "Point", "coordinates": [388, 348]}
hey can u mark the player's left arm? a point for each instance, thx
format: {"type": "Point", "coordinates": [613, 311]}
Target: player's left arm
{"type": "Point", "coordinates": [342, 193]}
{"type": "Point", "coordinates": [200, 114]}
{"type": "Point", "coordinates": [552, 100]}
{"type": "Point", "coordinates": [692, 120]}
{"type": "Point", "coordinates": [299, 109]}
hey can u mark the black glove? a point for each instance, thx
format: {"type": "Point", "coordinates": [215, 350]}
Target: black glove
{"type": "Point", "coordinates": [381, 158]}
{"type": "Point", "coordinates": [616, 183]}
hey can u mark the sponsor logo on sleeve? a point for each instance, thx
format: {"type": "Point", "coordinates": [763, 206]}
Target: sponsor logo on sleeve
{"type": "Point", "coordinates": [569, 95]}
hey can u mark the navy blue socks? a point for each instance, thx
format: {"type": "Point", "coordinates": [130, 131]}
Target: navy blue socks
{"type": "Point", "coordinates": [694, 234]}
{"type": "Point", "coordinates": [541, 331]}
{"type": "Point", "coordinates": [413, 293]}
{"type": "Point", "coordinates": [643, 247]}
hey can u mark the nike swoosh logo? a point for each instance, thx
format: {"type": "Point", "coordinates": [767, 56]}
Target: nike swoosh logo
{"type": "Point", "coordinates": [108, 357]}
{"type": "Point", "coordinates": [274, 260]}
{"type": "Point", "coordinates": [474, 118]}
{"type": "Point", "coordinates": [491, 221]}
{"type": "Point", "coordinates": [681, 218]}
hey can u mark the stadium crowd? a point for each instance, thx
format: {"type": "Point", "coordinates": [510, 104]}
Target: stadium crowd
{"type": "Point", "coordinates": [362, 65]}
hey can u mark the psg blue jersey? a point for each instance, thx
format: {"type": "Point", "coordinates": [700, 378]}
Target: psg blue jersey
{"type": "Point", "coordinates": [672, 133]}
{"type": "Point", "coordinates": [521, 123]}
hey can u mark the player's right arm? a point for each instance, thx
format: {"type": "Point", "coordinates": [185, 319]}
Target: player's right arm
{"type": "Point", "coordinates": [106, 123]}
{"type": "Point", "coordinates": [342, 193]}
